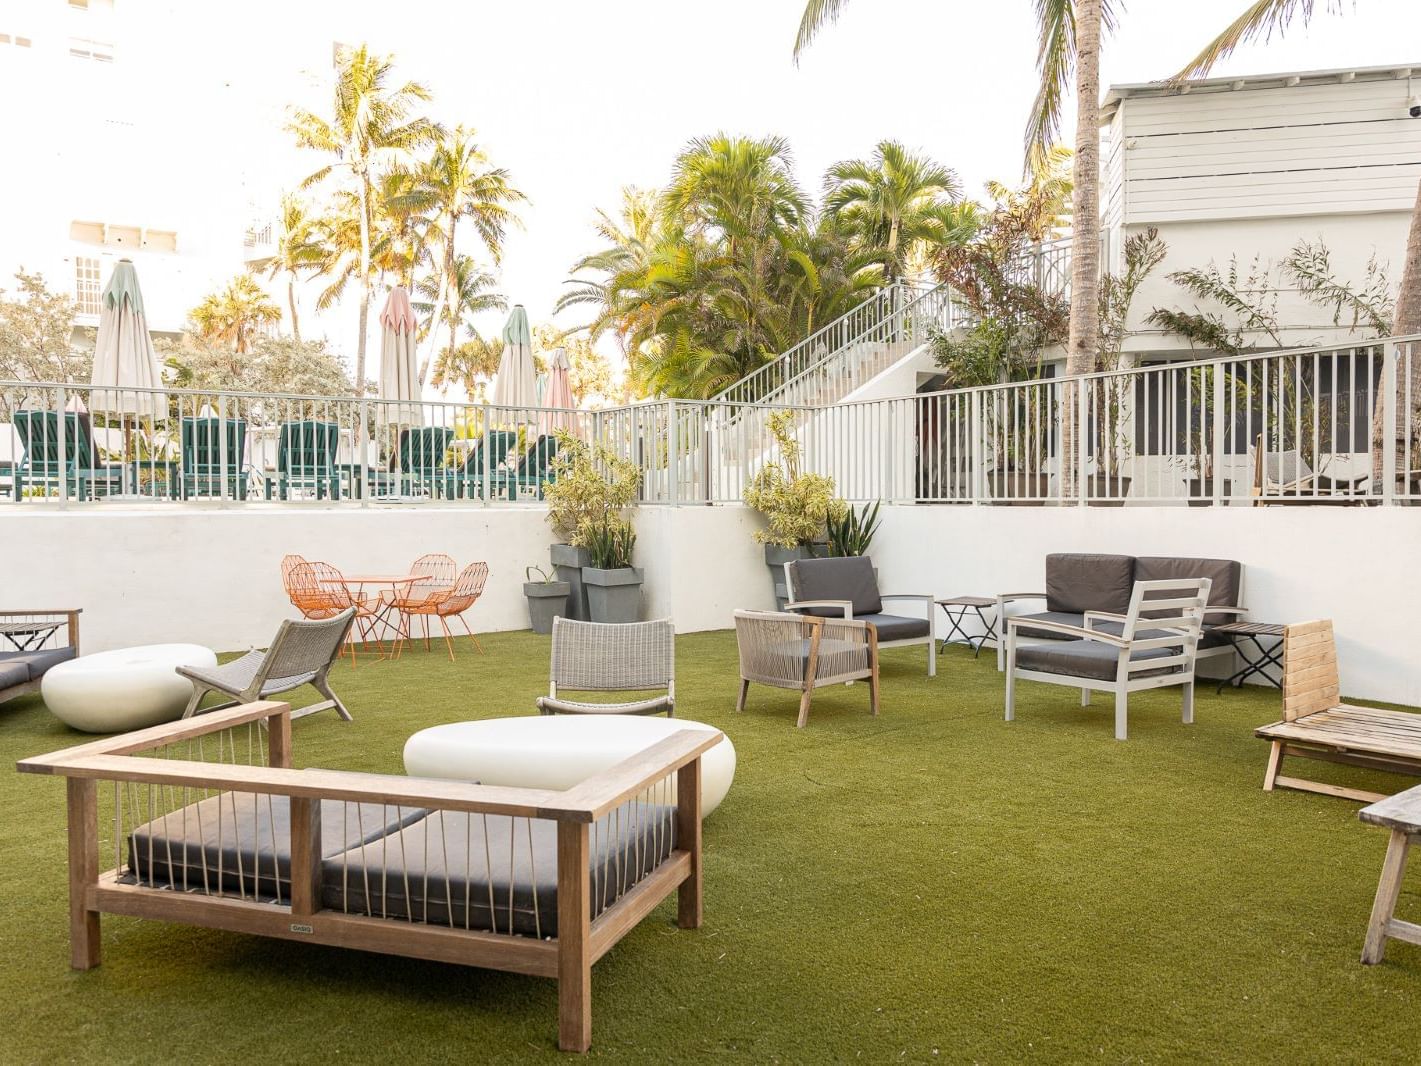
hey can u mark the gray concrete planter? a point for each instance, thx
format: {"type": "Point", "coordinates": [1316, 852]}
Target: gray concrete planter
{"type": "Point", "coordinates": [569, 562]}
{"type": "Point", "coordinates": [775, 559]}
{"type": "Point", "coordinates": [613, 595]}
{"type": "Point", "coordinates": [546, 600]}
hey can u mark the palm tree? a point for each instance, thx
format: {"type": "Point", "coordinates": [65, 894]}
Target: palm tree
{"type": "Point", "coordinates": [891, 203]}
{"type": "Point", "coordinates": [461, 184]}
{"type": "Point", "coordinates": [1263, 19]}
{"type": "Point", "coordinates": [297, 249]}
{"type": "Point", "coordinates": [468, 292]}
{"type": "Point", "coordinates": [370, 120]}
{"type": "Point", "coordinates": [235, 314]}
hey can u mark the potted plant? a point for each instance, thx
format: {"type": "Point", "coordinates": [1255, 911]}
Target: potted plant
{"type": "Point", "coordinates": [613, 585]}
{"type": "Point", "coordinates": [852, 533]}
{"type": "Point", "coordinates": [547, 598]}
{"type": "Point", "coordinates": [797, 505]}
{"type": "Point", "coordinates": [589, 486]}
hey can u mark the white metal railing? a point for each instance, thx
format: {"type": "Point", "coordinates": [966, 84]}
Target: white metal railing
{"type": "Point", "coordinates": [1293, 426]}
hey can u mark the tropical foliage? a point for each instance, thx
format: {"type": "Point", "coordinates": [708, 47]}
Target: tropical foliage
{"type": "Point", "coordinates": [731, 263]}
{"type": "Point", "coordinates": [798, 506]}
{"type": "Point", "coordinates": [37, 334]}
{"type": "Point", "coordinates": [272, 364]}
{"type": "Point", "coordinates": [235, 315]}
{"type": "Point", "coordinates": [591, 490]}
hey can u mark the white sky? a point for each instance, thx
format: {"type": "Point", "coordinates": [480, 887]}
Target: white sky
{"type": "Point", "coordinates": [578, 99]}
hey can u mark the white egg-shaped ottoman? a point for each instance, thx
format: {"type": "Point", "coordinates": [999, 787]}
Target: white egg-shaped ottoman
{"type": "Point", "coordinates": [116, 691]}
{"type": "Point", "coordinates": [555, 751]}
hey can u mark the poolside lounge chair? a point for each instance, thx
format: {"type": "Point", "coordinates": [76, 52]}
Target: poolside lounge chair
{"type": "Point", "coordinates": [848, 588]}
{"type": "Point", "coordinates": [70, 464]}
{"type": "Point", "coordinates": [534, 469]}
{"type": "Point", "coordinates": [1153, 646]}
{"type": "Point", "coordinates": [214, 458]}
{"type": "Point", "coordinates": [30, 644]}
{"type": "Point", "coordinates": [1318, 725]}
{"type": "Point", "coordinates": [305, 459]}
{"type": "Point", "coordinates": [467, 480]}
{"type": "Point", "coordinates": [612, 657]}
{"type": "Point", "coordinates": [804, 652]}
{"type": "Point", "coordinates": [1286, 477]}
{"type": "Point", "coordinates": [422, 452]}
{"type": "Point", "coordinates": [302, 654]}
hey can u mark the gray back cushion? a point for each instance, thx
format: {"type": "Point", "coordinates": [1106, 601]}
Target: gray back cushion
{"type": "Point", "coordinates": [1079, 583]}
{"type": "Point", "coordinates": [836, 579]}
{"type": "Point", "coordinates": [1226, 574]}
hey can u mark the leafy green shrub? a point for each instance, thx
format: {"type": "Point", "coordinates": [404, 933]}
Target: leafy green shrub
{"type": "Point", "coordinates": [591, 488]}
{"type": "Point", "coordinates": [610, 544]}
{"type": "Point", "coordinates": [797, 505]}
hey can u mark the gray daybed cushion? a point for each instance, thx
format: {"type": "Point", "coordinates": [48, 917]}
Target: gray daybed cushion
{"type": "Point", "coordinates": [1064, 617]}
{"type": "Point", "coordinates": [244, 841]}
{"type": "Point", "coordinates": [849, 578]}
{"type": "Point", "coordinates": [1225, 575]}
{"type": "Point", "coordinates": [1085, 658]}
{"type": "Point", "coordinates": [1077, 583]}
{"type": "Point", "coordinates": [38, 661]}
{"type": "Point", "coordinates": [452, 868]}
{"type": "Point", "coordinates": [13, 673]}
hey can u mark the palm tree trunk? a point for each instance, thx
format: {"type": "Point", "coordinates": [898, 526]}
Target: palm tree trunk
{"type": "Point", "coordinates": [363, 183]}
{"type": "Point", "coordinates": [291, 303]}
{"type": "Point", "coordinates": [1083, 338]}
{"type": "Point", "coordinates": [1407, 320]}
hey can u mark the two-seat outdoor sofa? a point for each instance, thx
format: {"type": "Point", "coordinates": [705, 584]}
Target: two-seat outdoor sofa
{"type": "Point", "coordinates": [532, 881]}
{"type": "Point", "coordinates": [34, 642]}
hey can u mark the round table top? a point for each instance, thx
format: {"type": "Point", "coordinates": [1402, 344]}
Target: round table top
{"type": "Point", "coordinates": [373, 579]}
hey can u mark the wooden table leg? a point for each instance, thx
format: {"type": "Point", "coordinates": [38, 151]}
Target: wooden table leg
{"type": "Point", "coordinates": [1388, 888]}
{"type": "Point", "coordinates": [83, 798]}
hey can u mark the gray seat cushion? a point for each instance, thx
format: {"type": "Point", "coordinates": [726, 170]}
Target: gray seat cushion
{"type": "Point", "coordinates": [454, 869]}
{"type": "Point", "coordinates": [13, 673]}
{"type": "Point", "coordinates": [849, 579]}
{"type": "Point", "coordinates": [1078, 583]}
{"type": "Point", "coordinates": [246, 847]}
{"type": "Point", "coordinates": [38, 661]}
{"type": "Point", "coordinates": [1064, 617]}
{"type": "Point", "coordinates": [1085, 658]}
{"type": "Point", "coordinates": [896, 626]}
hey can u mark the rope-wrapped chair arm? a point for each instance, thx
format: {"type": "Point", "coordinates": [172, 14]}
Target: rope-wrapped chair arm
{"type": "Point", "coordinates": [846, 606]}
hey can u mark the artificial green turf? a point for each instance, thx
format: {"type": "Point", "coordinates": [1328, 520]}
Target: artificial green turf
{"type": "Point", "coordinates": [932, 885]}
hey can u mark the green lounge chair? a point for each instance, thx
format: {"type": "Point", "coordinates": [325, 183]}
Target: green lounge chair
{"type": "Point", "coordinates": [422, 452]}
{"type": "Point", "coordinates": [67, 464]}
{"type": "Point", "coordinates": [306, 458]}
{"type": "Point", "coordinates": [534, 469]}
{"type": "Point", "coordinates": [467, 481]}
{"type": "Point", "coordinates": [204, 472]}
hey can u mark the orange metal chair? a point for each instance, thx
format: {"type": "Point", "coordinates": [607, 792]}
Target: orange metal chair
{"type": "Point", "coordinates": [306, 593]}
{"type": "Point", "coordinates": [448, 603]}
{"type": "Point", "coordinates": [322, 583]}
{"type": "Point", "coordinates": [438, 573]}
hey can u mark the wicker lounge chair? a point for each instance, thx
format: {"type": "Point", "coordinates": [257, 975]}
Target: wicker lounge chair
{"type": "Point", "coordinates": [1151, 645]}
{"type": "Point", "coordinates": [805, 652]}
{"type": "Point", "coordinates": [302, 654]}
{"type": "Point", "coordinates": [1286, 477]}
{"type": "Point", "coordinates": [848, 588]}
{"type": "Point", "coordinates": [604, 657]}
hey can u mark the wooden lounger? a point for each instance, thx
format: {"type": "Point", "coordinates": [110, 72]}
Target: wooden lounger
{"type": "Point", "coordinates": [1316, 725]}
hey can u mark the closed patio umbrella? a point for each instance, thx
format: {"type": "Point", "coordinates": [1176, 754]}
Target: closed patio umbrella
{"type": "Point", "coordinates": [124, 359]}
{"type": "Point", "coordinates": [559, 395]}
{"type": "Point", "coordinates": [399, 370]}
{"type": "Point", "coordinates": [516, 384]}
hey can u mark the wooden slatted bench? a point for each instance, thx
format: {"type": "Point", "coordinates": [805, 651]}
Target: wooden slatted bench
{"type": "Point", "coordinates": [1317, 725]}
{"type": "Point", "coordinates": [1402, 815]}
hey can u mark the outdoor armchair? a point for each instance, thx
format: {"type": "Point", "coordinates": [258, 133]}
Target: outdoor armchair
{"type": "Point", "coordinates": [441, 605]}
{"type": "Point", "coordinates": [30, 643]}
{"type": "Point", "coordinates": [611, 657]}
{"type": "Point", "coordinates": [302, 654]}
{"type": "Point", "coordinates": [848, 588]}
{"type": "Point", "coordinates": [804, 652]}
{"type": "Point", "coordinates": [1153, 644]}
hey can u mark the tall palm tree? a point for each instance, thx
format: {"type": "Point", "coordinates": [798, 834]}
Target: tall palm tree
{"type": "Point", "coordinates": [461, 184]}
{"type": "Point", "coordinates": [298, 249]}
{"type": "Point", "coordinates": [1262, 19]}
{"type": "Point", "coordinates": [454, 299]}
{"type": "Point", "coordinates": [234, 315]}
{"type": "Point", "coordinates": [371, 120]}
{"type": "Point", "coordinates": [891, 202]}
{"type": "Point", "coordinates": [735, 189]}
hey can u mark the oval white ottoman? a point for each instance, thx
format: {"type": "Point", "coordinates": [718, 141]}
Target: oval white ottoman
{"type": "Point", "coordinates": [116, 691]}
{"type": "Point", "coordinates": [555, 751]}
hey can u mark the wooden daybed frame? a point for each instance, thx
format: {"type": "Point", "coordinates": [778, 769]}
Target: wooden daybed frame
{"type": "Point", "coordinates": [568, 957]}
{"type": "Point", "coordinates": [1317, 725]}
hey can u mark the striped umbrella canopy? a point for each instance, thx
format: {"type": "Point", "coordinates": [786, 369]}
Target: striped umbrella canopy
{"type": "Point", "coordinates": [399, 370]}
{"type": "Point", "coordinates": [516, 384]}
{"type": "Point", "coordinates": [124, 359]}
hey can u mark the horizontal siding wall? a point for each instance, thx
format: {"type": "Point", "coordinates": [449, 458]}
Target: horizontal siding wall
{"type": "Point", "coordinates": [1256, 153]}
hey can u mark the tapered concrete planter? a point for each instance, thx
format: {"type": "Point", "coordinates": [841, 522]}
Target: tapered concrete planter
{"type": "Point", "coordinates": [569, 562]}
{"type": "Point", "coordinates": [775, 559]}
{"type": "Point", "coordinates": [613, 595]}
{"type": "Point", "coordinates": [1107, 490]}
{"type": "Point", "coordinates": [546, 600]}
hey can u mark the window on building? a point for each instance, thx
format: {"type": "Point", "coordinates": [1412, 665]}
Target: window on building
{"type": "Point", "coordinates": [86, 285]}
{"type": "Point", "coordinates": [87, 48]}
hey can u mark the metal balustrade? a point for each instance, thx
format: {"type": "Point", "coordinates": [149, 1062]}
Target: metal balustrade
{"type": "Point", "coordinates": [1294, 426]}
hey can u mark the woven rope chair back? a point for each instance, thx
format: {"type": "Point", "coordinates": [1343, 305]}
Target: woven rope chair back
{"type": "Point", "coordinates": [436, 568]}
{"type": "Point", "coordinates": [600, 657]}
{"type": "Point", "coordinates": [304, 646]}
{"type": "Point", "coordinates": [467, 589]}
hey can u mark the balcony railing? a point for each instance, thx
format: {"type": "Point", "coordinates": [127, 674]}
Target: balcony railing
{"type": "Point", "coordinates": [1293, 426]}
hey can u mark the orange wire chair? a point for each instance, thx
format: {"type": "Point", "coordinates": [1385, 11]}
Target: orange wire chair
{"type": "Point", "coordinates": [445, 604]}
{"type": "Point", "coordinates": [437, 573]}
{"type": "Point", "coordinates": [323, 584]}
{"type": "Point", "coordinates": [305, 591]}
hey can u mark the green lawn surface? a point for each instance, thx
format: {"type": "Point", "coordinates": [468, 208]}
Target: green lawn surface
{"type": "Point", "coordinates": [931, 885]}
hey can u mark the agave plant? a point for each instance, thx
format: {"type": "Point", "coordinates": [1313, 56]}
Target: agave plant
{"type": "Point", "coordinates": [852, 533]}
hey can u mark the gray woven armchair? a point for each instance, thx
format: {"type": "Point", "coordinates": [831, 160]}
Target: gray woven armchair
{"type": "Point", "coordinates": [302, 654]}
{"type": "Point", "coordinates": [604, 657]}
{"type": "Point", "coordinates": [805, 652]}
